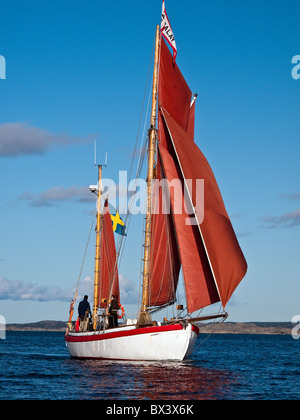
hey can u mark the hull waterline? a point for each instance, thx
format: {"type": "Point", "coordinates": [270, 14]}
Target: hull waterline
{"type": "Point", "coordinates": [169, 342]}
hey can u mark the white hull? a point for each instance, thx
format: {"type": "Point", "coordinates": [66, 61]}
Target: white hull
{"type": "Point", "coordinates": [172, 342]}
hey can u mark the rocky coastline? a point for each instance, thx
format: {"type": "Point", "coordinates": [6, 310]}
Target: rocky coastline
{"type": "Point", "coordinates": [282, 328]}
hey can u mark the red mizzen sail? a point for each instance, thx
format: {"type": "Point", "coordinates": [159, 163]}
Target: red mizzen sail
{"type": "Point", "coordinates": [109, 279]}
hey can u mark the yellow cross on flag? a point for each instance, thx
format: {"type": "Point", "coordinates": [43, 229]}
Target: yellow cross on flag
{"type": "Point", "coordinates": [117, 222]}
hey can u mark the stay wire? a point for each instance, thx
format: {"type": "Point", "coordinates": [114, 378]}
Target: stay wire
{"type": "Point", "coordinates": [217, 325]}
{"type": "Point", "coordinates": [85, 252]}
{"type": "Point", "coordinates": [122, 239]}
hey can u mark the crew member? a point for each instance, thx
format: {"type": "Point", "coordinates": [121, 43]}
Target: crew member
{"type": "Point", "coordinates": [113, 311]}
{"type": "Point", "coordinates": [84, 308]}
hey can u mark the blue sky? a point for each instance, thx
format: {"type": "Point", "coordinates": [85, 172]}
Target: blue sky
{"type": "Point", "coordinates": [76, 71]}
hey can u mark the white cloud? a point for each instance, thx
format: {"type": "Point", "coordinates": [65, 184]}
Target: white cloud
{"type": "Point", "coordinates": [17, 290]}
{"type": "Point", "coordinates": [86, 287]}
{"type": "Point", "coordinates": [21, 138]}
{"type": "Point", "coordinates": [286, 220]}
{"type": "Point", "coordinates": [128, 290]}
{"type": "Point", "coordinates": [57, 195]}
{"type": "Point", "coordinates": [290, 219]}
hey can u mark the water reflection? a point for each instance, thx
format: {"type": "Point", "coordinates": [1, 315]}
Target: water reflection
{"type": "Point", "coordinates": [150, 380]}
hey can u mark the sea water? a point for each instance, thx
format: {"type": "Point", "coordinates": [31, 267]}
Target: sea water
{"type": "Point", "coordinates": [36, 365]}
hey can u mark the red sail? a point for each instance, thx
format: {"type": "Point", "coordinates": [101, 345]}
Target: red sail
{"type": "Point", "coordinates": [174, 93]}
{"type": "Point", "coordinates": [212, 261]}
{"type": "Point", "coordinates": [199, 283]}
{"type": "Point", "coordinates": [108, 279]}
{"type": "Point", "coordinates": [164, 257]}
{"type": "Point", "coordinates": [223, 251]}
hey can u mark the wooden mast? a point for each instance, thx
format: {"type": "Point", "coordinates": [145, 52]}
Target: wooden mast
{"type": "Point", "coordinates": [144, 317]}
{"type": "Point", "coordinates": [97, 256]}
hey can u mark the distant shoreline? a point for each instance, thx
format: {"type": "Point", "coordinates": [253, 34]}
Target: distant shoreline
{"type": "Point", "coordinates": [269, 328]}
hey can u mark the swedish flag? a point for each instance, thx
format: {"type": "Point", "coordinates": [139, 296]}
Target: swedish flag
{"type": "Point", "coordinates": [117, 223]}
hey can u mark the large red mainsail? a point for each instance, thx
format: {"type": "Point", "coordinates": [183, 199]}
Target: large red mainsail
{"type": "Point", "coordinates": [212, 261]}
{"type": "Point", "coordinates": [108, 277]}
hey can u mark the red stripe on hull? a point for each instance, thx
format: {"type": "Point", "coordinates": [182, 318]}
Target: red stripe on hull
{"type": "Point", "coordinates": [137, 331]}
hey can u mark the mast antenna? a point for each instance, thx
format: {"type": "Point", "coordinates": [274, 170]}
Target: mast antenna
{"type": "Point", "coordinates": [95, 188]}
{"type": "Point", "coordinates": [104, 165]}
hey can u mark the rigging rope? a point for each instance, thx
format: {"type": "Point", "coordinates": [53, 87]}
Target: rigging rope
{"type": "Point", "coordinates": [122, 239]}
{"type": "Point", "coordinates": [142, 154]}
{"type": "Point", "coordinates": [214, 330]}
{"type": "Point", "coordinates": [141, 159]}
{"type": "Point", "coordinates": [79, 277]}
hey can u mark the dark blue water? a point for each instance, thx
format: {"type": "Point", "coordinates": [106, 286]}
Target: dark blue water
{"type": "Point", "coordinates": [36, 365]}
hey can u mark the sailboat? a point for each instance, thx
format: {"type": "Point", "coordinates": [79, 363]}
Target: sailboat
{"type": "Point", "coordinates": [200, 240]}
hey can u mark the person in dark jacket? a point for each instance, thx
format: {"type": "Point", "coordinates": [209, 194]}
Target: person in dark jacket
{"type": "Point", "coordinates": [84, 308]}
{"type": "Point", "coordinates": [113, 311]}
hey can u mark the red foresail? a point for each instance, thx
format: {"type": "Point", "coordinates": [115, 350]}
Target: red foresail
{"type": "Point", "coordinates": [108, 279]}
{"type": "Point", "coordinates": [222, 248]}
{"type": "Point", "coordinates": [199, 283]}
{"type": "Point", "coordinates": [164, 257]}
